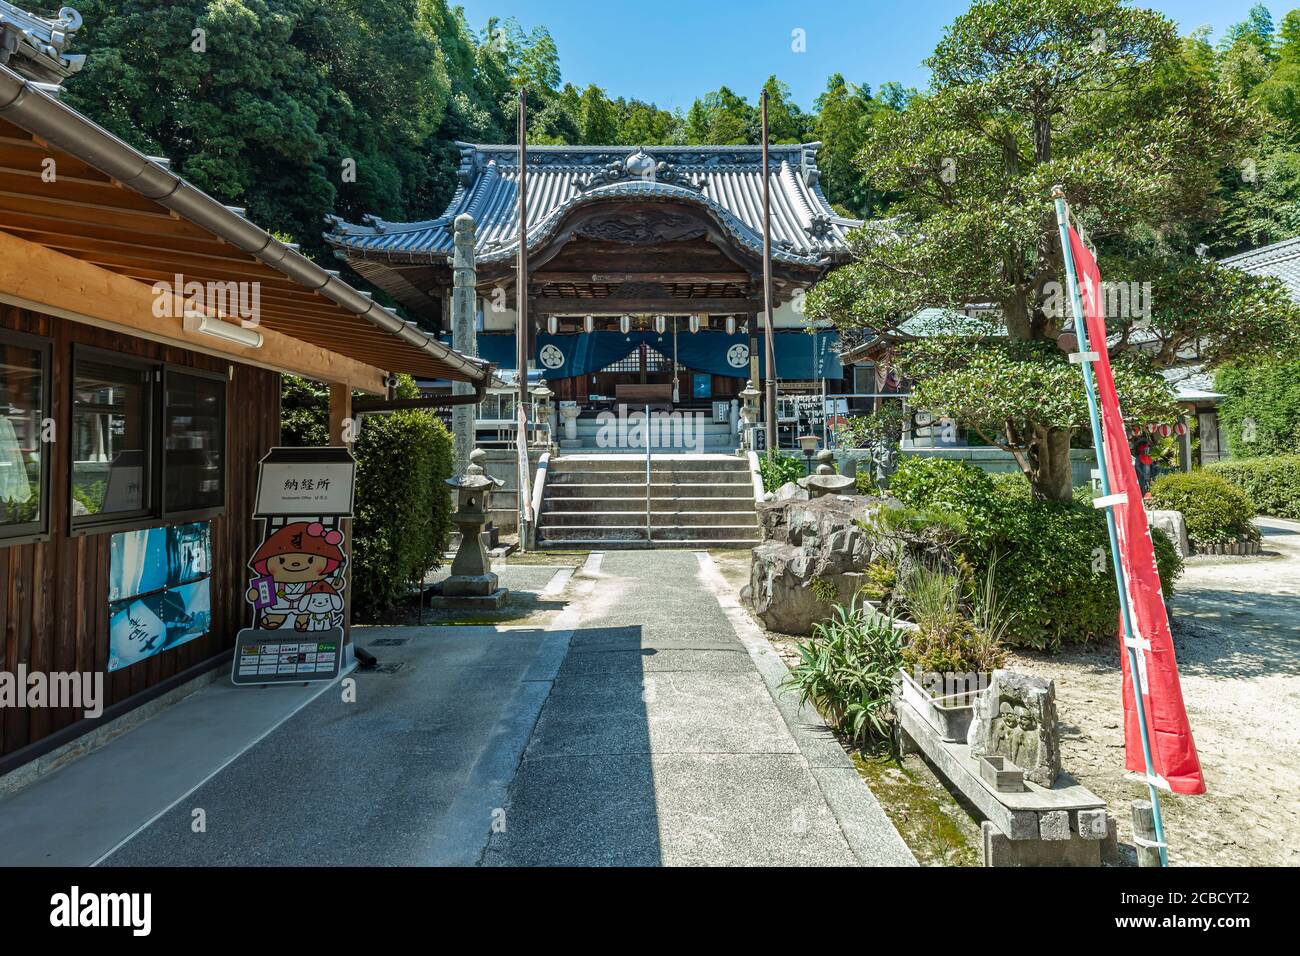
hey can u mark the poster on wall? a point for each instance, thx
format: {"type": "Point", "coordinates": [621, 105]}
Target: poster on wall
{"type": "Point", "coordinates": [159, 590]}
{"type": "Point", "coordinates": [298, 573]}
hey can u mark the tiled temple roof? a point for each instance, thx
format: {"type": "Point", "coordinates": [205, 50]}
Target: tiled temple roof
{"type": "Point", "coordinates": [1280, 260]}
{"type": "Point", "coordinates": [725, 180]}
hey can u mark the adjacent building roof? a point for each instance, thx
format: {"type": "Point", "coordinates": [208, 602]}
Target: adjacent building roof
{"type": "Point", "coordinates": [725, 180]}
{"type": "Point", "coordinates": [128, 213]}
{"type": "Point", "coordinates": [39, 42]}
{"type": "Point", "coordinates": [1280, 260]}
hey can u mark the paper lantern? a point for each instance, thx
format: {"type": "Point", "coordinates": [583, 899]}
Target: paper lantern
{"type": "Point", "coordinates": [1181, 427]}
{"type": "Point", "coordinates": [552, 324]}
{"type": "Point", "coordinates": [731, 325]}
{"type": "Point", "coordinates": [625, 324]}
{"type": "Point", "coordinates": [589, 323]}
{"type": "Point", "coordinates": [694, 323]}
{"type": "Point", "coordinates": [660, 322]}
{"type": "Point", "coordinates": [1165, 430]}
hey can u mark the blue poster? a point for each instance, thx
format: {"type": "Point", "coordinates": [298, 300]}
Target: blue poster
{"type": "Point", "coordinates": [159, 590]}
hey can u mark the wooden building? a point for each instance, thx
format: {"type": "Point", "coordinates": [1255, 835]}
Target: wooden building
{"type": "Point", "coordinates": [645, 267]}
{"type": "Point", "coordinates": [143, 331]}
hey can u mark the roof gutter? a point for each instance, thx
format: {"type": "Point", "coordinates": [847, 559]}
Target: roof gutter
{"type": "Point", "coordinates": [27, 105]}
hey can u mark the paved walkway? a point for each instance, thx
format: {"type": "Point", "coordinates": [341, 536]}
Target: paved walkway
{"type": "Point", "coordinates": [639, 727]}
{"type": "Point", "coordinates": [661, 742]}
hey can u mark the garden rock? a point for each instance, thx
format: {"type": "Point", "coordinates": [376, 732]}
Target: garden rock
{"type": "Point", "coordinates": [1173, 524]}
{"type": "Point", "coordinates": [807, 541]}
{"type": "Point", "coordinates": [1016, 718]}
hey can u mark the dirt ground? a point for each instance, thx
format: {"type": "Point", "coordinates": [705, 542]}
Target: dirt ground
{"type": "Point", "coordinates": [1236, 624]}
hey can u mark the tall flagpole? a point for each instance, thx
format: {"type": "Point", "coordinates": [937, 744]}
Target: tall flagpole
{"type": "Point", "coordinates": [521, 271]}
{"type": "Point", "coordinates": [521, 314]}
{"type": "Point", "coordinates": [1089, 385]}
{"type": "Point", "coordinates": [769, 367]}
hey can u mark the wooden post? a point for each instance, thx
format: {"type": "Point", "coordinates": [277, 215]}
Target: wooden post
{"type": "Point", "coordinates": [342, 431]}
{"type": "Point", "coordinates": [1144, 826]}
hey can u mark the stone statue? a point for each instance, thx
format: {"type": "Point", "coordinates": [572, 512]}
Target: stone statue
{"type": "Point", "coordinates": [1016, 718]}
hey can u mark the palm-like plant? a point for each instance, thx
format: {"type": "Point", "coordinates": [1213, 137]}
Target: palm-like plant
{"type": "Point", "coordinates": [847, 670]}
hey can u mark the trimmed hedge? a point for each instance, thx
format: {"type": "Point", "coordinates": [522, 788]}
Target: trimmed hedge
{"type": "Point", "coordinates": [1261, 413]}
{"type": "Point", "coordinates": [403, 504]}
{"type": "Point", "coordinates": [1214, 508]}
{"type": "Point", "coordinates": [1053, 559]}
{"type": "Point", "coordinates": [1272, 483]}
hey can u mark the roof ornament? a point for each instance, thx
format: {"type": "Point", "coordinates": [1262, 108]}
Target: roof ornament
{"type": "Point", "coordinates": [33, 45]}
{"type": "Point", "coordinates": [639, 166]}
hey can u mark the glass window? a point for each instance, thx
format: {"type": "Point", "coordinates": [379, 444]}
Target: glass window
{"type": "Point", "coordinates": [194, 442]}
{"type": "Point", "coordinates": [112, 425]}
{"type": "Point", "coordinates": [24, 380]}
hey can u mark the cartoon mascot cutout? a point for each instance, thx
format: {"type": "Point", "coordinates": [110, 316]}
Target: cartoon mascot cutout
{"type": "Point", "coordinates": [298, 577]}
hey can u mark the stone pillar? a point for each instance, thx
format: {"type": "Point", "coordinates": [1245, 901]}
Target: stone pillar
{"type": "Point", "coordinates": [464, 338]}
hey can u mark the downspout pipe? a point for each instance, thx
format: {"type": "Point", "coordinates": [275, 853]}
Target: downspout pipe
{"type": "Point", "coordinates": [26, 105]}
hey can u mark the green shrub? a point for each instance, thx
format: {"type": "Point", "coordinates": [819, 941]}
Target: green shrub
{"type": "Point", "coordinates": [863, 483]}
{"type": "Point", "coordinates": [946, 640]}
{"type": "Point", "coordinates": [403, 504]}
{"type": "Point", "coordinates": [1261, 412]}
{"type": "Point", "coordinates": [1272, 483]}
{"type": "Point", "coordinates": [779, 469]}
{"type": "Point", "coordinates": [1214, 508]}
{"type": "Point", "coordinates": [847, 670]}
{"type": "Point", "coordinates": [1050, 560]}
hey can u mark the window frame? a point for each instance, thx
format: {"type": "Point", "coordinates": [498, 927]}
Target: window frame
{"type": "Point", "coordinates": [192, 514]}
{"type": "Point", "coordinates": [39, 530]}
{"type": "Point", "coordinates": [80, 525]}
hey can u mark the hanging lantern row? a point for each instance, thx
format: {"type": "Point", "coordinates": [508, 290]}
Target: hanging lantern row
{"type": "Point", "coordinates": [695, 322]}
{"type": "Point", "coordinates": [1163, 429]}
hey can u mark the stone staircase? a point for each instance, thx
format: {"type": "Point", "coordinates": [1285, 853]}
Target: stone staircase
{"type": "Point", "coordinates": [696, 501]}
{"type": "Point", "coordinates": [681, 433]}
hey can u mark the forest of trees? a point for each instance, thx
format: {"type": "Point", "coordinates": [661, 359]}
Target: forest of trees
{"type": "Point", "coordinates": [263, 102]}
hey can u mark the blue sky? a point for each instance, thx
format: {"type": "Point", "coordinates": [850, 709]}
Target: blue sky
{"type": "Point", "coordinates": [670, 51]}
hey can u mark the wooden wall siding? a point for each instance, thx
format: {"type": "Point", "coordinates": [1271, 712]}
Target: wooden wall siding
{"type": "Point", "coordinates": [54, 594]}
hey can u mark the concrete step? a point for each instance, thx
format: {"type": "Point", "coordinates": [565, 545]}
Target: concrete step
{"type": "Point", "coordinates": [568, 519]}
{"type": "Point", "coordinates": [641, 544]}
{"type": "Point", "coordinates": [606, 461]}
{"type": "Point", "coordinates": [658, 489]}
{"type": "Point", "coordinates": [742, 505]}
{"type": "Point", "coordinates": [693, 533]}
{"type": "Point", "coordinates": [637, 476]}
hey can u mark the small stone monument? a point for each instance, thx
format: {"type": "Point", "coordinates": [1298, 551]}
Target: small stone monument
{"type": "Point", "coordinates": [1015, 718]}
{"type": "Point", "coordinates": [472, 583]}
{"type": "Point", "coordinates": [824, 481]}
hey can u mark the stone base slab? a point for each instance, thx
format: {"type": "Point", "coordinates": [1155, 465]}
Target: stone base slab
{"type": "Point", "coordinates": [470, 602]}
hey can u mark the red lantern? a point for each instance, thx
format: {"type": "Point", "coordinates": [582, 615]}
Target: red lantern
{"type": "Point", "coordinates": [1165, 430]}
{"type": "Point", "coordinates": [1181, 427]}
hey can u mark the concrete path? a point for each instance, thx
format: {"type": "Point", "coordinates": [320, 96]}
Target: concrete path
{"type": "Point", "coordinates": [661, 742]}
{"type": "Point", "coordinates": [639, 726]}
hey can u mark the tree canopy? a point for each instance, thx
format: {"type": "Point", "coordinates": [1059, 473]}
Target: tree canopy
{"type": "Point", "coordinates": [1108, 102]}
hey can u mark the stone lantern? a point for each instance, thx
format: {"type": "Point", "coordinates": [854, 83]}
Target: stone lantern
{"type": "Point", "coordinates": [472, 583]}
{"type": "Point", "coordinates": [542, 396]}
{"type": "Point", "coordinates": [749, 398]}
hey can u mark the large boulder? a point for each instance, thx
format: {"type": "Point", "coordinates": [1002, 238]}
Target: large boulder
{"type": "Point", "coordinates": [806, 541]}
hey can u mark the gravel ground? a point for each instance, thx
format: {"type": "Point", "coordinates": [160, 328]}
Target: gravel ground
{"type": "Point", "coordinates": [1236, 625]}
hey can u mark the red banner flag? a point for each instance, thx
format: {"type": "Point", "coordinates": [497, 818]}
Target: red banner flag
{"type": "Point", "coordinates": [1173, 752]}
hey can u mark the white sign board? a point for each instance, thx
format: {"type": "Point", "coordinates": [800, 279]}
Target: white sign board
{"type": "Point", "coordinates": [315, 482]}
